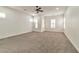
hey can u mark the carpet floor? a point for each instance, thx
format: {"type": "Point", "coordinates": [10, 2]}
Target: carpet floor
{"type": "Point", "coordinates": [37, 42]}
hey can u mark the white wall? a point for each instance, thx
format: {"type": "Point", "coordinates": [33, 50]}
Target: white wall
{"type": "Point", "coordinates": [44, 23]}
{"type": "Point", "coordinates": [72, 25]}
{"type": "Point", "coordinates": [59, 23]}
{"type": "Point", "coordinates": [14, 23]}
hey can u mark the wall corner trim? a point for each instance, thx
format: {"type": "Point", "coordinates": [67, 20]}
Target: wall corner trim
{"type": "Point", "coordinates": [71, 41]}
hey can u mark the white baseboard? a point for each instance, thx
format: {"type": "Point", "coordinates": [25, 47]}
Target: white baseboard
{"type": "Point", "coordinates": [71, 41]}
{"type": "Point", "coordinates": [10, 35]}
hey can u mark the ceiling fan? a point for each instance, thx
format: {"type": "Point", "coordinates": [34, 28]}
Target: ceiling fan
{"type": "Point", "coordinates": [38, 9]}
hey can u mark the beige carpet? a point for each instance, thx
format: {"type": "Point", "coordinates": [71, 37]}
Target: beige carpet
{"type": "Point", "coordinates": [36, 42]}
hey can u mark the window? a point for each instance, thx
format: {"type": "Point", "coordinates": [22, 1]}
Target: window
{"type": "Point", "coordinates": [53, 23]}
{"type": "Point", "coordinates": [64, 22]}
{"type": "Point", "coordinates": [36, 23]}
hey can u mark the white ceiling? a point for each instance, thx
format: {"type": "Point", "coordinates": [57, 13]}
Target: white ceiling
{"type": "Point", "coordinates": [48, 10]}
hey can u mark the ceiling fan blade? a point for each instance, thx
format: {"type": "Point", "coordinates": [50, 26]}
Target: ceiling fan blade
{"type": "Point", "coordinates": [37, 10]}
{"type": "Point", "coordinates": [41, 10]}
{"type": "Point", "coordinates": [36, 6]}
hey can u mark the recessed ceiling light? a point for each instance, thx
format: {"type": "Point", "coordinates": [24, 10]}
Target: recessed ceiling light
{"type": "Point", "coordinates": [34, 14]}
{"type": "Point", "coordinates": [57, 8]}
{"type": "Point", "coordinates": [2, 15]}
